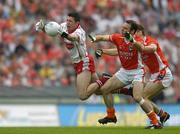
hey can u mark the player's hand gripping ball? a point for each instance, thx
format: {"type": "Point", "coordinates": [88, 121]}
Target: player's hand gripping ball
{"type": "Point", "coordinates": [51, 28]}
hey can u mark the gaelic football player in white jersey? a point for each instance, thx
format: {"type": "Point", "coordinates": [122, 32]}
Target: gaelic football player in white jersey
{"type": "Point", "coordinates": [75, 40]}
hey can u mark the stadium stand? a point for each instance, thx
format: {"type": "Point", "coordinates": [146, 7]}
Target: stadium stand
{"type": "Point", "coordinates": [33, 64]}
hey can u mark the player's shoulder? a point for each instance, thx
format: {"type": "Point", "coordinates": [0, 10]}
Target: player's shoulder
{"type": "Point", "coordinates": [151, 39]}
{"type": "Point", "coordinates": [80, 31]}
{"type": "Point", "coordinates": [116, 36]}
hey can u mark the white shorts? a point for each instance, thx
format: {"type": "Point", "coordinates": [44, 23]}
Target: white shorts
{"type": "Point", "coordinates": [129, 76]}
{"type": "Point", "coordinates": [166, 79]}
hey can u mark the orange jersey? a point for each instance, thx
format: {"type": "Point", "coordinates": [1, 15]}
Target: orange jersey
{"type": "Point", "coordinates": [155, 61]}
{"type": "Point", "coordinates": [129, 56]}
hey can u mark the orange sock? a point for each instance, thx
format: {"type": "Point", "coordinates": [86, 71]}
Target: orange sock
{"type": "Point", "coordinates": [152, 117]}
{"type": "Point", "coordinates": [111, 112]}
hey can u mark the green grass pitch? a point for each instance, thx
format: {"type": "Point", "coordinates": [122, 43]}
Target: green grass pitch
{"type": "Point", "coordinates": [87, 130]}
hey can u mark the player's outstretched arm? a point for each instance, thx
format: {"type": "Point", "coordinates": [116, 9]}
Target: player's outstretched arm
{"type": "Point", "coordinates": [97, 38]}
{"type": "Point", "coordinates": [111, 52]}
{"type": "Point", "coordinates": [71, 37]}
{"type": "Point", "coordinates": [39, 26]}
{"type": "Point", "coordinates": [148, 49]}
{"type": "Point", "coordinates": [140, 46]}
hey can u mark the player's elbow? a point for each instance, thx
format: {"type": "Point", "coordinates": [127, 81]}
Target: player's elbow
{"type": "Point", "coordinates": [137, 98]}
{"type": "Point", "coordinates": [142, 49]}
{"type": "Point", "coordinates": [98, 92]}
{"type": "Point", "coordinates": [147, 96]}
{"type": "Point", "coordinates": [148, 50]}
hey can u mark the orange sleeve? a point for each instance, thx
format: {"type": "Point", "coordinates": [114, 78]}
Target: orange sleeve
{"type": "Point", "coordinates": [152, 41]}
{"type": "Point", "coordinates": [114, 37]}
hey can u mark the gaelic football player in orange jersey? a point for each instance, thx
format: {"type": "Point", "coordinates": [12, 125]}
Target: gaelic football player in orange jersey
{"type": "Point", "coordinates": [132, 70]}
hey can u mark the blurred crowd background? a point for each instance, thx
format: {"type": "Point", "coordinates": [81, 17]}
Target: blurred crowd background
{"type": "Point", "coordinates": [32, 59]}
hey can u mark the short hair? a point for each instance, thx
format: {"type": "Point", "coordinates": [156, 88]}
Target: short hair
{"type": "Point", "coordinates": [141, 28]}
{"type": "Point", "coordinates": [133, 25]}
{"type": "Point", "coordinates": [75, 15]}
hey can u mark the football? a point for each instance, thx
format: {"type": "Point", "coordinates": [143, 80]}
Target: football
{"type": "Point", "coordinates": [51, 28]}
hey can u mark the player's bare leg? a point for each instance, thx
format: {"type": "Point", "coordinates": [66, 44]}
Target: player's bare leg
{"type": "Point", "coordinates": [96, 82]}
{"type": "Point", "coordinates": [111, 116]}
{"type": "Point", "coordinates": [84, 87]}
{"type": "Point", "coordinates": [124, 90]}
{"type": "Point", "coordinates": [145, 104]}
{"type": "Point", "coordinates": [149, 87]}
{"type": "Point", "coordinates": [112, 83]}
{"type": "Point", "coordinates": [151, 90]}
{"type": "Point", "coordinates": [108, 100]}
{"type": "Point", "coordinates": [94, 77]}
{"type": "Point", "coordinates": [82, 83]}
{"type": "Point", "coordinates": [85, 90]}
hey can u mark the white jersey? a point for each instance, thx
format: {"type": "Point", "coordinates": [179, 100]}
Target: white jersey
{"type": "Point", "coordinates": [77, 49]}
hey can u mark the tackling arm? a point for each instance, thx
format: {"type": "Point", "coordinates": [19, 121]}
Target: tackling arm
{"type": "Point", "coordinates": [71, 37]}
{"type": "Point", "coordinates": [102, 37]}
{"type": "Point", "coordinates": [99, 38]}
{"type": "Point", "coordinates": [149, 49]}
{"type": "Point", "coordinates": [111, 52]}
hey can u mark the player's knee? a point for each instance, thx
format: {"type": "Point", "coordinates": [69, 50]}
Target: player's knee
{"type": "Point", "coordinates": [105, 88]}
{"type": "Point", "coordinates": [146, 96]}
{"type": "Point", "coordinates": [98, 92]}
{"type": "Point", "coordinates": [83, 97]}
{"type": "Point", "coordinates": [137, 98]}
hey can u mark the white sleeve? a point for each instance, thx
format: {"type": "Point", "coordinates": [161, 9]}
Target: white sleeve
{"type": "Point", "coordinates": [63, 27]}
{"type": "Point", "coordinates": [81, 35]}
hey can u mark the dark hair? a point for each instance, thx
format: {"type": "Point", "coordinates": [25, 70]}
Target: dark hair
{"type": "Point", "coordinates": [141, 28]}
{"type": "Point", "coordinates": [75, 15]}
{"type": "Point", "coordinates": [133, 25]}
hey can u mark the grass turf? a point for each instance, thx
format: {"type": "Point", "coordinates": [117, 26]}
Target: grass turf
{"type": "Point", "coordinates": [87, 130]}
